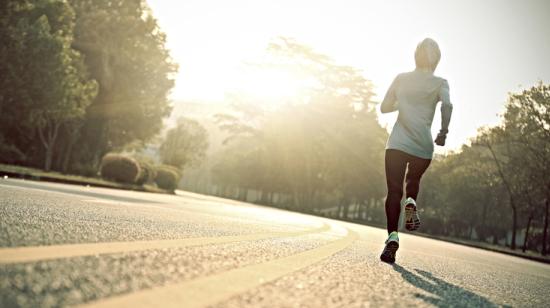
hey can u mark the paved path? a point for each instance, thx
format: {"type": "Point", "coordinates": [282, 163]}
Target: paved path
{"type": "Point", "coordinates": [63, 245]}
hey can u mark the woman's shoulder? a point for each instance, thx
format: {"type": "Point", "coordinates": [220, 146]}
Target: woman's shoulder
{"type": "Point", "coordinates": [403, 76]}
{"type": "Point", "coordinates": [441, 79]}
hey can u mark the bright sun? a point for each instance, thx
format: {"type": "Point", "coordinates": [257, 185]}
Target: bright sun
{"type": "Point", "coordinates": [270, 86]}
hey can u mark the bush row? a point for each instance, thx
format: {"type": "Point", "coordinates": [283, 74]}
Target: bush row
{"type": "Point", "coordinates": [124, 169]}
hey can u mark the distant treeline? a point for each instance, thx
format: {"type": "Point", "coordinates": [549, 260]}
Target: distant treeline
{"type": "Point", "coordinates": [323, 153]}
{"type": "Point", "coordinates": [499, 183]}
{"type": "Point", "coordinates": [78, 79]}
{"type": "Point", "coordinates": [320, 149]}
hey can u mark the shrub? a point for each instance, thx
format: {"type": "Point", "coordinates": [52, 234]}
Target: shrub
{"type": "Point", "coordinates": [119, 168]}
{"type": "Point", "coordinates": [147, 173]}
{"type": "Point", "coordinates": [167, 177]}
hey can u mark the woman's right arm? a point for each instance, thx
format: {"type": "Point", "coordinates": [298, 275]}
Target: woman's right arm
{"type": "Point", "coordinates": [389, 104]}
{"type": "Point", "coordinates": [446, 107]}
{"type": "Point", "coordinates": [446, 111]}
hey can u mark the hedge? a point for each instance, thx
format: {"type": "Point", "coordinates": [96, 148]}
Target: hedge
{"type": "Point", "coordinates": [120, 168]}
{"type": "Point", "coordinates": [147, 173]}
{"type": "Point", "coordinates": [167, 177]}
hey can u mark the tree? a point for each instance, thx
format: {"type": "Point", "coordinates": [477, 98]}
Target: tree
{"type": "Point", "coordinates": [11, 86]}
{"type": "Point", "coordinates": [324, 143]}
{"type": "Point", "coordinates": [521, 151]}
{"type": "Point", "coordinates": [121, 47]}
{"type": "Point", "coordinates": [493, 140]}
{"type": "Point", "coordinates": [125, 51]}
{"type": "Point", "coordinates": [184, 145]}
{"type": "Point", "coordinates": [506, 165]}
{"type": "Point", "coordinates": [53, 84]}
{"type": "Point", "coordinates": [527, 125]}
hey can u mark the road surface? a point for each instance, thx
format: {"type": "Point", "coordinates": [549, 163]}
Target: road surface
{"type": "Point", "coordinates": [63, 245]}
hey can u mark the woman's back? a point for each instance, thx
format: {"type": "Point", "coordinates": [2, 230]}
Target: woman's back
{"type": "Point", "coordinates": [415, 95]}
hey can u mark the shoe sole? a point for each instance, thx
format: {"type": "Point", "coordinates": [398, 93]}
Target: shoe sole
{"type": "Point", "coordinates": [388, 255]}
{"type": "Point", "coordinates": [412, 221]}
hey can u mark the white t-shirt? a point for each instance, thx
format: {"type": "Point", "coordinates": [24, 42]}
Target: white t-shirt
{"type": "Point", "coordinates": [415, 96]}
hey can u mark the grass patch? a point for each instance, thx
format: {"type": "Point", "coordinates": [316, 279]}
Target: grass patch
{"type": "Point", "coordinates": [52, 176]}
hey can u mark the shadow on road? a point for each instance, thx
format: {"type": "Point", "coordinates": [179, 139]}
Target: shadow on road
{"type": "Point", "coordinates": [445, 294]}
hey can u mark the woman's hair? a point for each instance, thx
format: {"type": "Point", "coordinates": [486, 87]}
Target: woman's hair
{"type": "Point", "coordinates": [427, 54]}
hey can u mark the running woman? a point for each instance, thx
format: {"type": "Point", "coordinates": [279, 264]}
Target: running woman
{"type": "Point", "coordinates": [414, 95]}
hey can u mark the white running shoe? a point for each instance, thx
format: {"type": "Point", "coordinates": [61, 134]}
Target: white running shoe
{"type": "Point", "coordinates": [412, 221]}
{"type": "Point", "coordinates": [392, 244]}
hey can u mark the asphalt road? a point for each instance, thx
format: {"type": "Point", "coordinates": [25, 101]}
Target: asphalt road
{"type": "Point", "coordinates": [63, 245]}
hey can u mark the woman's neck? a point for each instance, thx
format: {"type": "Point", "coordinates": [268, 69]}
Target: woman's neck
{"type": "Point", "coordinates": [424, 70]}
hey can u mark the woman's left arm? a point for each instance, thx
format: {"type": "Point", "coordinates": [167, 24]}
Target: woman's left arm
{"type": "Point", "coordinates": [389, 104]}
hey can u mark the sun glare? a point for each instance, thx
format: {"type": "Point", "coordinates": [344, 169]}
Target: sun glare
{"type": "Point", "coordinates": [271, 85]}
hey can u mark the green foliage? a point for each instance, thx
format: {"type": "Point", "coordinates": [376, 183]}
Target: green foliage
{"type": "Point", "coordinates": [125, 51]}
{"type": "Point", "coordinates": [47, 85]}
{"type": "Point", "coordinates": [120, 168]}
{"type": "Point", "coordinates": [96, 73]}
{"type": "Point", "coordinates": [185, 144]}
{"type": "Point", "coordinates": [502, 181]}
{"type": "Point", "coordinates": [167, 177]}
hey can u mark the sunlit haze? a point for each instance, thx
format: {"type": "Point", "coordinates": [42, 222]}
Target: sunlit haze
{"type": "Point", "coordinates": [489, 48]}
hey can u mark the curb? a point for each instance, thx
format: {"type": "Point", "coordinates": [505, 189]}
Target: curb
{"type": "Point", "coordinates": [473, 245]}
{"type": "Point", "coordinates": [75, 182]}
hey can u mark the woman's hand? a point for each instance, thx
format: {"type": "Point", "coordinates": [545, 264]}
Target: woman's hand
{"type": "Point", "coordinates": [440, 140]}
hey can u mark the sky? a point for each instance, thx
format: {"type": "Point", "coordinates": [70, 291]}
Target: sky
{"type": "Point", "coordinates": [489, 48]}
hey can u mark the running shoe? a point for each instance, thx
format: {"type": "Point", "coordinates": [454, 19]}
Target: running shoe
{"type": "Point", "coordinates": [392, 244]}
{"type": "Point", "coordinates": [412, 221]}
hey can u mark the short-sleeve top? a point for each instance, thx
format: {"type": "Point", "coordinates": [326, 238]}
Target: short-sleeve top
{"type": "Point", "coordinates": [415, 96]}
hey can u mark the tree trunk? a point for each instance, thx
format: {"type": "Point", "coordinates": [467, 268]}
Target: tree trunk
{"type": "Point", "coordinates": [313, 200]}
{"type": "Point", "coordinates": [527, 232]}
{"type": "Point", "coordinates": [346, 210]}
{"type": "Point", "coordinates": [238, 194]}
{"type": "Point", "coordinates": [295, 200]}
{"type": "Point", "coordinates": [514, 227]}
{"type": "Point", "coordinates": [68, 153]}
{"type": "Point", "coordinates": [368, 205]}
{"type": "Point", "coordinates": [48, 135]}
{"type": "Point", "coordinates": [263, 196]}
{"type": "Point", "coordinates": [545, 230]}
{"type": "Point", "coordinates": [62, 145]}
{"type": "Point", "coordinates": [357, 210]}
{"type": "Point", "coordinates": [495, 238]}
{"type": "Point", "coordinates": [49, 155]}
{"type": "Point", "coordinates": [481, 230]}
{"type": "Point", "coordinates": [510, 194]}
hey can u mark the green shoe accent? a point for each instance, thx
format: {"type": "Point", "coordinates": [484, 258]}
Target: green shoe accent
{"type": "Point", "coordinates": [392, 244]}
{"type": "Point", "coordinates": [393, 237]}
